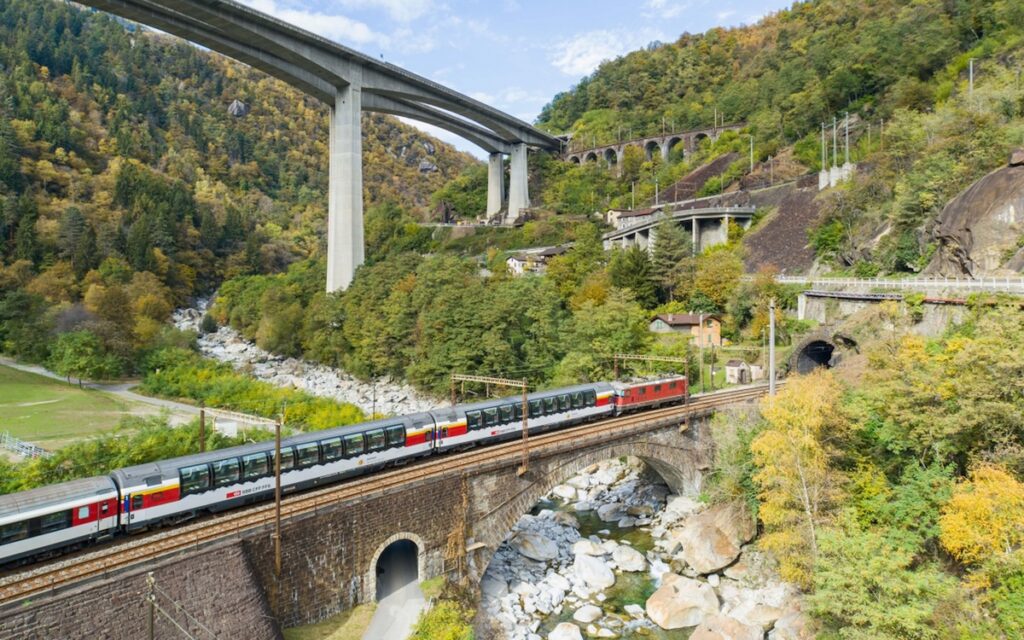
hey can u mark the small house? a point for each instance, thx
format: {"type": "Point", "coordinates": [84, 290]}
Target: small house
{"type": "Point", "coordinates": [737, 372]}
{"type": "Point", "coordinates": [703, 328]}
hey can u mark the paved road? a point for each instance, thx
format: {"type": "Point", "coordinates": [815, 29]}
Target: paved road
{"type": "Point", "coordinates": [397, 614]}
{"type": "Point", "coordinates": [120, 389]}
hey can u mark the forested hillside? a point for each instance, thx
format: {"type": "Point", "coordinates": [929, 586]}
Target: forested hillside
{"type": "Point", "coordinates": [126, 186]}
{"type": "Point", "coordinates": [899, 68]}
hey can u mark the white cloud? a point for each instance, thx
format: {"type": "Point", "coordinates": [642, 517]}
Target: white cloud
{"type": "Point", "coordinates": [582, 53]}
{"type": "Point", "coordinates": [665, 8]}
{"type": "Point", "coordinates": [400, 10]}
{"type": "Point", "coordinates": [334, 26]}
{"type": "Point", "coordinates": [722, 16]}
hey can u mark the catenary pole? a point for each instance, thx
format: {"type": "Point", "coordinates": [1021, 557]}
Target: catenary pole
{"type": "Point", "coordinates": [771, 347]}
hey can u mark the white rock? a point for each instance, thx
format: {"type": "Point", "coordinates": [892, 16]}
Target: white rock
{"type": "Point", "coordinates": [593, 572]}
{"type": "Point", "coordinates": [582, 505]}
{"type": "Point", "coordinates": [605, 633]}
{"type": "Point", "coordinates": [565, 631]}
{"type": "Point", "coordinates": [711, 540]}
{"type": "Point", "coordinates": [719, 627]}
{"type": "Point", "coordinates": [612, 512]}
{"type": "Point", "coordinates": [629, 559]}
{"type": "Point", "coordinates": [587, 613]}
{"type": "Point", "coordinates": [681, 602]}
{"type": "Point", "coordinates": [493, 587]}
{"type": "Point", "coordinates": [535, 546]}
{"type": "Point", "coordinates": [565, 492]}
{"type": "Point", "coordinates": [714, 580]}
{"type": "Point", "coordinates": [634, 610]}
{"type": "Point", "coordinates": [558, 581]}
{"type": "Point", "coordinates": [587, 547]}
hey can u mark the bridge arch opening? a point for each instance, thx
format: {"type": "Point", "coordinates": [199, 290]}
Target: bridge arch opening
{"type": "Point", "coordinates": [611, 158]}
{"type": "Point", "coordinates": [574, 159]}
{"type": "Point", "coordinates": [651, 149]}
{"type": "Point", "coordinates": [815, 354]}
{"type": "Point", "coordinates": [676, 149]}
{"type": "Point", "coordinates": [398, 561]}
{"type": "Point", "coordinates": [591, 157]}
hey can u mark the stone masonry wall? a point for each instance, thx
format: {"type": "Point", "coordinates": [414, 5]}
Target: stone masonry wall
{"type": "Point", "coordinates": [216, 586]}
{"type": "Point", "coordinates": [328, 558]}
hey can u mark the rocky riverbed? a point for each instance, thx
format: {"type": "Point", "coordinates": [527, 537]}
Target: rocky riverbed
{"type": "Point", "coordinates": [387, 397]}
{"type": "Point", "coordinates": [613, 554]}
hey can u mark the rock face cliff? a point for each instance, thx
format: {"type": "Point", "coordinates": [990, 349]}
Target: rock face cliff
{"type": "Point", "coordinates": [980, 232]}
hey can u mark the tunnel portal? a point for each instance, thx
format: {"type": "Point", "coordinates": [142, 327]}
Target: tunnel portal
{"type": "Point", "coordinates": [397, 566]}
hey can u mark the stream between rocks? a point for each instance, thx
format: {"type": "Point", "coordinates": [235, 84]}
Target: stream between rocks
{"type": "Point", "coordinates": [387, 397]}
{"type": "Point", "coordinates": [612, 554]}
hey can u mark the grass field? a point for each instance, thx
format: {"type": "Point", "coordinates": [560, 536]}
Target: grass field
{"type": "Point", "coordinates": [49, 412]}
{"type": "Point", "coordinates": [347, 625]}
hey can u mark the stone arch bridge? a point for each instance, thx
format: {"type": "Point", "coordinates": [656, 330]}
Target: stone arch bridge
{"type": "Point", "coordinates": [663, 146]}
{"type": "Point", "coordinates": [348, 552]}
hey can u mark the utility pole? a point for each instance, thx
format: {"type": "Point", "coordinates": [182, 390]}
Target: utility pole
{"type": "Point", "coordinates": [632, 195]}
{"type": "Point", "coordinates": [771, 347]}
{"type": "Point", "coordinates": [881, 134]}
{"type": "Point", "coordinates": [824, 160]}
{"type": "Point", "coordinates": [277, 494]}
{"type": "Point", "coordinates": [700, 338]}
{"type": "Point", "coordinates": [656, 194]}
{"type": "Point", "coordinates": [970, 77]}
{"type": "Point", "coordinates": [846, 144]}
{"type": "Point", "coordinates": [202, 427]}
{"type": "Point", "coordinates": [771, 171]}
{"type": "Point", "coordinates": [835, 142]}
{"type": "Point", "coordinates": [151, 599]}
{"type": "Point", "coordinates": [751, 153]}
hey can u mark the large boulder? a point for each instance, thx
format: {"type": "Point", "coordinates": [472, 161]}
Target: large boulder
{"type": "Point", "coordinates": [719, 627]}
{"type": "Point", "coordinates": [565, 631]}
{"type": "Point", "coordinates": [792, 626]}
{"type": "Point", "coordinates": [711, 540]}
{"type": "Point", "coordinates": [587, 547]}
{"type": "Point", "coordinates": [681, 602]}
{"type": "Point", "coordinates": [629, 559]}
{"type": "Point", "coordinates": [611, 512]}
{"type": "Point", "coordinates": [593, 572]}
{"type": "Point", "coordinates": [587, 613]}
{"type": "Point", "coordinates": [535, 546]}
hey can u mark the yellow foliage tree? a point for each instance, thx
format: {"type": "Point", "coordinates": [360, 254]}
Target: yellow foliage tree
{"type": "Point", "coordinates": [796, 484]}
{"type": "Point", "coordinates": [985, 517]}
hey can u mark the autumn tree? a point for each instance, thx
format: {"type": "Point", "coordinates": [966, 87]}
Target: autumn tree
{"type": "Point", "coordinates": [985, 517]}
{"type": "Point", "coordinates": [797, 483]}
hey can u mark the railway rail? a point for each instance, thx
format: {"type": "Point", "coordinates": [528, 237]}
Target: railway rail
{"type": "Point", "coordinates": [127, 553]}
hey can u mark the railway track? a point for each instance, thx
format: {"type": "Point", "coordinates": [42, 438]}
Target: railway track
{"type": "Point", "coordinates": [131, 551]}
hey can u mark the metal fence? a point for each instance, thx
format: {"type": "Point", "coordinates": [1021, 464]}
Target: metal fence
{"type": "Point", "coordinates": [20, 447]}
{"type": "Point", "coordinates": [992, 285]}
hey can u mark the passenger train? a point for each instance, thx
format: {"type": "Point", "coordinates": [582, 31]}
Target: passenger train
{"type": "Point", "coordinates": [58, 517]}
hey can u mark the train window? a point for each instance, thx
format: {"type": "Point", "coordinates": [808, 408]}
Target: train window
{"type": "Point", "coordinates": [331, 449]}
{"type": "Point", "coordinates": [396, 436]}
{"type": "Point", "coordinates": [563, 402]}
{"type": "Point", "coordinates": [472, 420]}
{"type": "Point", "coordinates": [254, 466]}
{"type": "Point", "coordinates": [591, 399]}
{"type": "Point", "coordinates": [490, 417]}
{"type": "Point", "coordinates": [672, 385]}
{"type": "Point", "coordinates": [307, 454]}
{"type": "Point", "coordinates": [137, 502]}
{"type": "Point", "coordinates": [643, 391]}
{"type": "Point", "coordinates": [375, 440]}
{"type": "Point", "coordinates": [287, 459]}
{"type": "Point", "coordinates": [104, 508]}
{"type": "Point", "coordinates": [506, 413]}
{"type": "Point", "coordinates": [226, 472]}
{"type": "Point", "coordinates": [54, 522]}
{"type": "Point", "coordinates": [13, 532]}
{"type": "Point", "coordinates": [549, 405]}
{"type": "Point", "coordinates": [83, 512]}
{"type": "Point", "coordinates": [517, 411]}
{"type": "Point", "coordinates": [536, 410]}
{"type": "Point", "coordinates": [354, 445]}
{"type": "Point", "coordinates": [657, 388]}
{"type": "Point", "coordinates": [577, 400]}
{"type": "Point", "coordinates": [194, 479]}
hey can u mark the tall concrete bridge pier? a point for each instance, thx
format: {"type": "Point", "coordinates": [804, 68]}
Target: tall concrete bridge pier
{"type": "Point", "coordinates": [349, 83]}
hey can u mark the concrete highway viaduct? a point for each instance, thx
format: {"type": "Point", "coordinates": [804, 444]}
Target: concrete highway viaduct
{"type": "Point", "coordinates": [343, 553]}
{"type": "Point", "coordinates": [349, 83]}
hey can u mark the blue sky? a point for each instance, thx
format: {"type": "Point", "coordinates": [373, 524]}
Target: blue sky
{"type": "Point", "coordinates": [512, 54]}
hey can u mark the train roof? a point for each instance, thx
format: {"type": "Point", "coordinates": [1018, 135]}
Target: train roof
{"type": "Point", "coordinates": [169, 467]}
{"type": "Point", "coordinates": [54, 494]}
{"type": "Point", "coordinates": [545, 393]}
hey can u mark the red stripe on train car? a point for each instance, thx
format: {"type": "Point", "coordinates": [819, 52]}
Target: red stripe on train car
{"type": "Point", "coordinates": [416, 438]}
{"type": "Point", "coordinates": [604, 401]}
{"type": "Point", "coordinates": [457, 430]}
{"type": "Point", "coordinates": [172, 494]}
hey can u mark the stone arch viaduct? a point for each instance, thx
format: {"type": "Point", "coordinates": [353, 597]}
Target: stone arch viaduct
{"type": "Point", "coordinates": [454, 520]}
{"type": "Point", "coordinates": [652, 146]}
{"type": "Point", "coordinates": [349, 83]}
